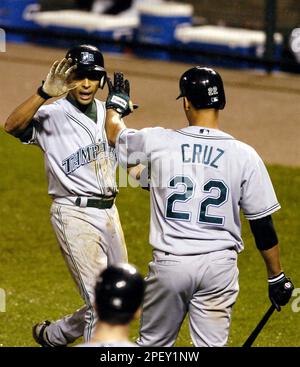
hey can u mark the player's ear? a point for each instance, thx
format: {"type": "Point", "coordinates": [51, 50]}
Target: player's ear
{"type": "Point", "coordinates": [137, 313]}
{"type": "Point", "coordinates": [186, 104]}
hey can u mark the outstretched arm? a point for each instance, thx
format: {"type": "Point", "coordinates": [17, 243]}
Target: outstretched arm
{"type": "Point", "coordinates": [55, 85]}
{"type": "Point", "coordinates": [118, 105]}
{"type": "Point", "coordinates": [113, 125]}
{"type": "Point", "coordinates": [20, 118]}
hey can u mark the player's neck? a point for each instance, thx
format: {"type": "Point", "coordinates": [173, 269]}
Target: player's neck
{"type": "Point", "coordinates": [108, 333]}
{"type": "Point", "coordinates": [206, 117]}
{"type": "Point", "coordinates": [80, 106]}
{"type": "Point", "coordinates": [89, 110]}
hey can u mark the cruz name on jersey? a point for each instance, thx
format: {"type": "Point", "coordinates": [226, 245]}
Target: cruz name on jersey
{"type": "Point", "coordinates": [198, 153]}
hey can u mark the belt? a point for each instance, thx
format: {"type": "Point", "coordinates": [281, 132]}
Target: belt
{"type": "Point", "coordinates": [101, 203]}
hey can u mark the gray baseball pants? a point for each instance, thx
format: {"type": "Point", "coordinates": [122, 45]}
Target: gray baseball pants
{"type": "Point", "coordinates": [89, 239]}
{"type": "Point", "coordinates": [203, 286]}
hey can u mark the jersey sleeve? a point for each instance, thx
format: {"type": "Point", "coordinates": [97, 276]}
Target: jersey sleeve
{"type": "Point", "coordinates": [132, 146]}
{"type": "Point", "coordinates": [258, 198]}
{"type": "Point", "coordinates": [28, 136]}
{"type": "Point", "coordinates": [33, 132]}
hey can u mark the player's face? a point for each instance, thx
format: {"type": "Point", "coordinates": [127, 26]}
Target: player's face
{"type": "Point", "coordinates": [86, 88]}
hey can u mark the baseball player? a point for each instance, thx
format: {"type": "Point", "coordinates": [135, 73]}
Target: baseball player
{"type": "Point", "coordinates": [119, 294]}
{"type": "Point", "coordinates": [80, 167]}
{"type": "Point", "coordinates": [200, 179]}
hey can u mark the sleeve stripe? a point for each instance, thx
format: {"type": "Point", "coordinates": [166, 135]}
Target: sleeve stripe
{"type": "Point", "coordinates": [264, 213]}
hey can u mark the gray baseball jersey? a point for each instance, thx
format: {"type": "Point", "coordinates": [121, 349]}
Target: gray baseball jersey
{"type": "Point", "coordinates": [78, 159]}
{"type": "Point", "coordinates": [200, 178]}
{"type": "Point", "coordinates": [79, 165]}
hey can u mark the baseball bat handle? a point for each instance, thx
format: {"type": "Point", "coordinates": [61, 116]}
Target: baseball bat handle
{"type": "Point", "coordinates": [259, 327]}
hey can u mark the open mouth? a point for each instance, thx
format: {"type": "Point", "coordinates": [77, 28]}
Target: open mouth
{"type": "Point", "coordinates": [85, 95]}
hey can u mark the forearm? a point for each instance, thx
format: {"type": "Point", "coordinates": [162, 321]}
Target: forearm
{"type": "Point", "coordinates": [113, 125]}
{"type": "Point", "coordinates": [20, 118]}
{"type": "Point", "coordinates": [266, 241]}
{"type": "Point", "coordinates": [272, 261]}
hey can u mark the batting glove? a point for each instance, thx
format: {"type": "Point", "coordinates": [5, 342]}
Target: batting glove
{"type": "Point", "coordinates": [119, 95]}
{"type": "Point", "coordinates": [57, 81]}
{"type": "Point", "coordinates": [280, 290]}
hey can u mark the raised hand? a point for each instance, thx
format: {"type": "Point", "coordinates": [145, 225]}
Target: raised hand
{"type": "Point", "coordinates": [119, 95]}
{"type": "Point", "coordinates": [57, 81]}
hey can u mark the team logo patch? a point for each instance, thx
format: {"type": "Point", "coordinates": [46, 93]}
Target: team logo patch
{"type": "Point", "coordinates": [87, 58]}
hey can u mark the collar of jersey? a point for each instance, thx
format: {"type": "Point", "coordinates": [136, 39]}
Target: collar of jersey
{"type": "Point", "coordinates": [212, 133]}
{"type": "Point", "coordinates": [90, 112]}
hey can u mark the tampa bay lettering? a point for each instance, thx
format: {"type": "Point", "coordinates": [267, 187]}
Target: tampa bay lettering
{"type": "Point", "coordinates": [86, 155]}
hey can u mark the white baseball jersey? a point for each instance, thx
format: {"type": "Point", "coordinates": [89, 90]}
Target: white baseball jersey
{"type": "Point", "coordinates": [200, 178]}
{"type": "Point", "coordinates": [78, 159]}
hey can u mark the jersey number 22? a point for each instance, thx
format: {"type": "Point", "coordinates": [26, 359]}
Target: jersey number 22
{"type": "Point", "coordinates": [205, 203]}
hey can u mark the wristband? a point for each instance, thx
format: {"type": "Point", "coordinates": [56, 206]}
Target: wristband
{"type": "Point", "coordinates": [276, 278]}
{"type": "Point", "coordinates": [43, 94]}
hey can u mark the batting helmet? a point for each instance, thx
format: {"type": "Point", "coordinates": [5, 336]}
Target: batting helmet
{"type": "Point", "coordinates": [203, 87]}
{"type": "Point", "coordinates": [119, 289]}
{"type": "Point", "coordinates": [89, 61]}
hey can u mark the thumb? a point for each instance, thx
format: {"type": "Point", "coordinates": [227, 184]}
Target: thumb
{"type": "Point", "coordinates": [130, 105]}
